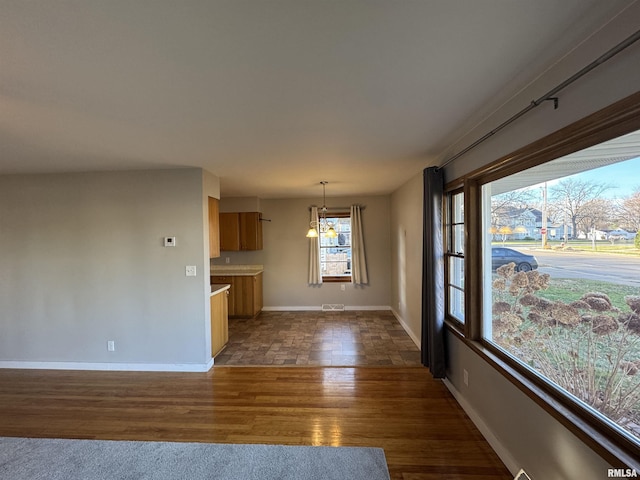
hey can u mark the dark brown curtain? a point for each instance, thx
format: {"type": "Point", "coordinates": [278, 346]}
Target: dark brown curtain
{"type": "Point", "coordinates": [433, 308]}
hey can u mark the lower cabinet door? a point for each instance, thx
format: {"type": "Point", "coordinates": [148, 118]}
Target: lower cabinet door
{"type": "Point", "coordinates": [219, 323]}
{"type": "Point", "coordinates": [257, 294]}
{"type": "Point", "coordinates": [221, 279]}
{"type": "Point", "coordinates": [245, 294]}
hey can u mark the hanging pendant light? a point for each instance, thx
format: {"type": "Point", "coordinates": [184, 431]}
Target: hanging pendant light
{"type": "Point", "coordinates": [331, 233]}
{"type": "Point", "coordinates": [323, 226]}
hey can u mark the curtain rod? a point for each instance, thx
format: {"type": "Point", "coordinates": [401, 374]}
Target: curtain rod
{"type": "Point", "coordinates": [550, 95]}
{"type": "Point", "coordinates": [344, 209]}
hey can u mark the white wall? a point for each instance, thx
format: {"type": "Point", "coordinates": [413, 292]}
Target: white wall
{"type": "Point", "coordinates": [83, 262]}
{"type": "Point", "coordinates": [406, 259]}
{"type": "Point", "coordinates": [285, 254]}
{"type": "Point", "coordinates": [522, 432]}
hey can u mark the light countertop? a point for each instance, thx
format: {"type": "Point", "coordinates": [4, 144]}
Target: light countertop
{"type": "Point", "coordinates": [236, 270]}
{"type": "Point", "coordinates": [217, 288]}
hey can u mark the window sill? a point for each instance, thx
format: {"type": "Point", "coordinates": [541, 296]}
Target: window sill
{"type": "Point", "coordinates": [336, 279]}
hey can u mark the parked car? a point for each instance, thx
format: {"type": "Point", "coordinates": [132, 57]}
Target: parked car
{"type": "Point", "coordinates": [501, 256]}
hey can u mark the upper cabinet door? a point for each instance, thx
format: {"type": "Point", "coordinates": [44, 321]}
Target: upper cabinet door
{"type": "Point", "coordinates": [214, 228]}
{"type": "Point", "coordinates": [229, 232]}
{"type": "Point", "coordinates": [240, 231]}
{"type": "Point", "coordinates": [250, 231]}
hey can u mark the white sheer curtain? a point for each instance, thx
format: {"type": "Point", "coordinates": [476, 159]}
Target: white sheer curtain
{"type": "Point", "coordinates": [359, 273]}
{"type": "Point", "coordinates": [315, 276]}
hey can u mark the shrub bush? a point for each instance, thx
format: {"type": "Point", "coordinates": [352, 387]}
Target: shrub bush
{"type": "Point", "coordinates": [588, 347]}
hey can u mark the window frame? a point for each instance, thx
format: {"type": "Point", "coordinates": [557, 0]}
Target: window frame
{"type": "Point", "coordinates": [450, 192]}
{"type": "Point", "coordinates": [335, 278]}
{"type": "Point", "coordinates": [611, 122]}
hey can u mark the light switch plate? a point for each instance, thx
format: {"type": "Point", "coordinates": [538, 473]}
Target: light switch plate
{"type": "Point", "coordinates": [190, 270]}
{"type": "Point", "coordinates": [169, 241]}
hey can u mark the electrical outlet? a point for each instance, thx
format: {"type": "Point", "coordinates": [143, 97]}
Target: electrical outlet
{"type": "Point", "coordinates": [227, 260]}
{"type": "Point", "coordinates": [111, 346]}
{"type": "Point", "coordinates": [190, 270]}
{"type": "Point", "coordinates": [465, 376]}
{"type": "Point", "coordinates": [343, 287]}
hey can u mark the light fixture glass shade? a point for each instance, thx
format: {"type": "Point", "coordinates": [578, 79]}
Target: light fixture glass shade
{"type": "Point", "coordinates": [322, 226]}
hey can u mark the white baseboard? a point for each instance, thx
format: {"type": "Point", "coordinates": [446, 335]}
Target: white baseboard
{"type": "Point", "coordinates": [131, 367]}
{"type": "Point", "coordinates": [486, 432]}
{"type": "Point", "coordinates": [292, 309]}
{"type": "Point", "coordinates": [369, 307]}
{"type": "Point", "coordinates": [318, 308]}
{"type": "Point", "coordinates": [413, 336]}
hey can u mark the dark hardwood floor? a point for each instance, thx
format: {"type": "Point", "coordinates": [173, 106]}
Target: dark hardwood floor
{"type": "Point", "coordinates": [423, 431]}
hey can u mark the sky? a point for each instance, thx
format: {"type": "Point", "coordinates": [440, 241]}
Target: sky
{"type": "Point", "coordinates": [625, 176]}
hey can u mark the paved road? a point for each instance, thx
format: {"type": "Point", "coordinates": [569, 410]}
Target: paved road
{"type": "Point", "coordinates": [620, 269]}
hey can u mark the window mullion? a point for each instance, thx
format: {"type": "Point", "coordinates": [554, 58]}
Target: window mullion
{"type": "Point", "coordinates": [473, 270]}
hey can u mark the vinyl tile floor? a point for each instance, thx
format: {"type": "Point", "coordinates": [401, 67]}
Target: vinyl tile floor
{"type": "Point", "coordinates": [350, 338]}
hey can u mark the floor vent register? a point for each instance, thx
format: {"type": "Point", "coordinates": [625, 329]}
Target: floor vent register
{"type": "Point", "coordinates": [333, 307]}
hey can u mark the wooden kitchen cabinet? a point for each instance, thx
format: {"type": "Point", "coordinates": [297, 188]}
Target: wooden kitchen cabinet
{"type": "Point", "coordinates": [219, 322]}
{"type": "Point", "coordinates": [257, 294]}
{"type": "Point", "coordinates": [229, 231]}
{"type": "Point", "coordinates": [245, 294]}
{"type": "Point", "coordinates": [250, 231]}
{"type": "Point", "coordinates": [240, 231]}
{"type": "Point", "coordinates": [227, 279]}
{"type": "Point", "coordinates": [214, 227]}
{"type": "Point", "coordinates": [248, 299]}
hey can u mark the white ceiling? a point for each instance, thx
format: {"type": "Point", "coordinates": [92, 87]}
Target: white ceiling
{"type": "Point", "coordinates": [270, 95]}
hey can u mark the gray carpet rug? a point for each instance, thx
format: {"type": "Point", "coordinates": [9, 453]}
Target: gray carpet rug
{"type": "Point", "coordinates": [59, 459]}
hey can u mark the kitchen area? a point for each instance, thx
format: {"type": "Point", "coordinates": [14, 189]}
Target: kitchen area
{"type": "Point", "coordinates": [236, 290]}
{"type": "Point", "coordinates": [292, 329]}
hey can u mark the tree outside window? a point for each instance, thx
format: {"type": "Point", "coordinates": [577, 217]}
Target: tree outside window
{"type": "Point", "coordinates": [577, 328]}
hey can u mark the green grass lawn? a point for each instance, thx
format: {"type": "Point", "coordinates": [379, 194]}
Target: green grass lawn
{"type": "Point", "coordinates": [601, 246]}
{"type": "Point", "coordinates": [568, 290]}
{"type": "Point", "coordinates": [608, 248]}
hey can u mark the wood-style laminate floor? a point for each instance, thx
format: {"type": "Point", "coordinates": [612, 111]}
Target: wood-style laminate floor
{"type": "Point", "coordinates": [423, 431]}
{"type": "Point", "coordinates": [347, 338]}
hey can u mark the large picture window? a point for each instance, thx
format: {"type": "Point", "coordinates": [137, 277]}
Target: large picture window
{"type": "Point", "coordinates": [561, 276]}
{"type": "Point", "coordinates": [551, 269]}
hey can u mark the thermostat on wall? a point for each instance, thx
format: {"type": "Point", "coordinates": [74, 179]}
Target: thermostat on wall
{"type": "Point", "coordinates": [169, 241]}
